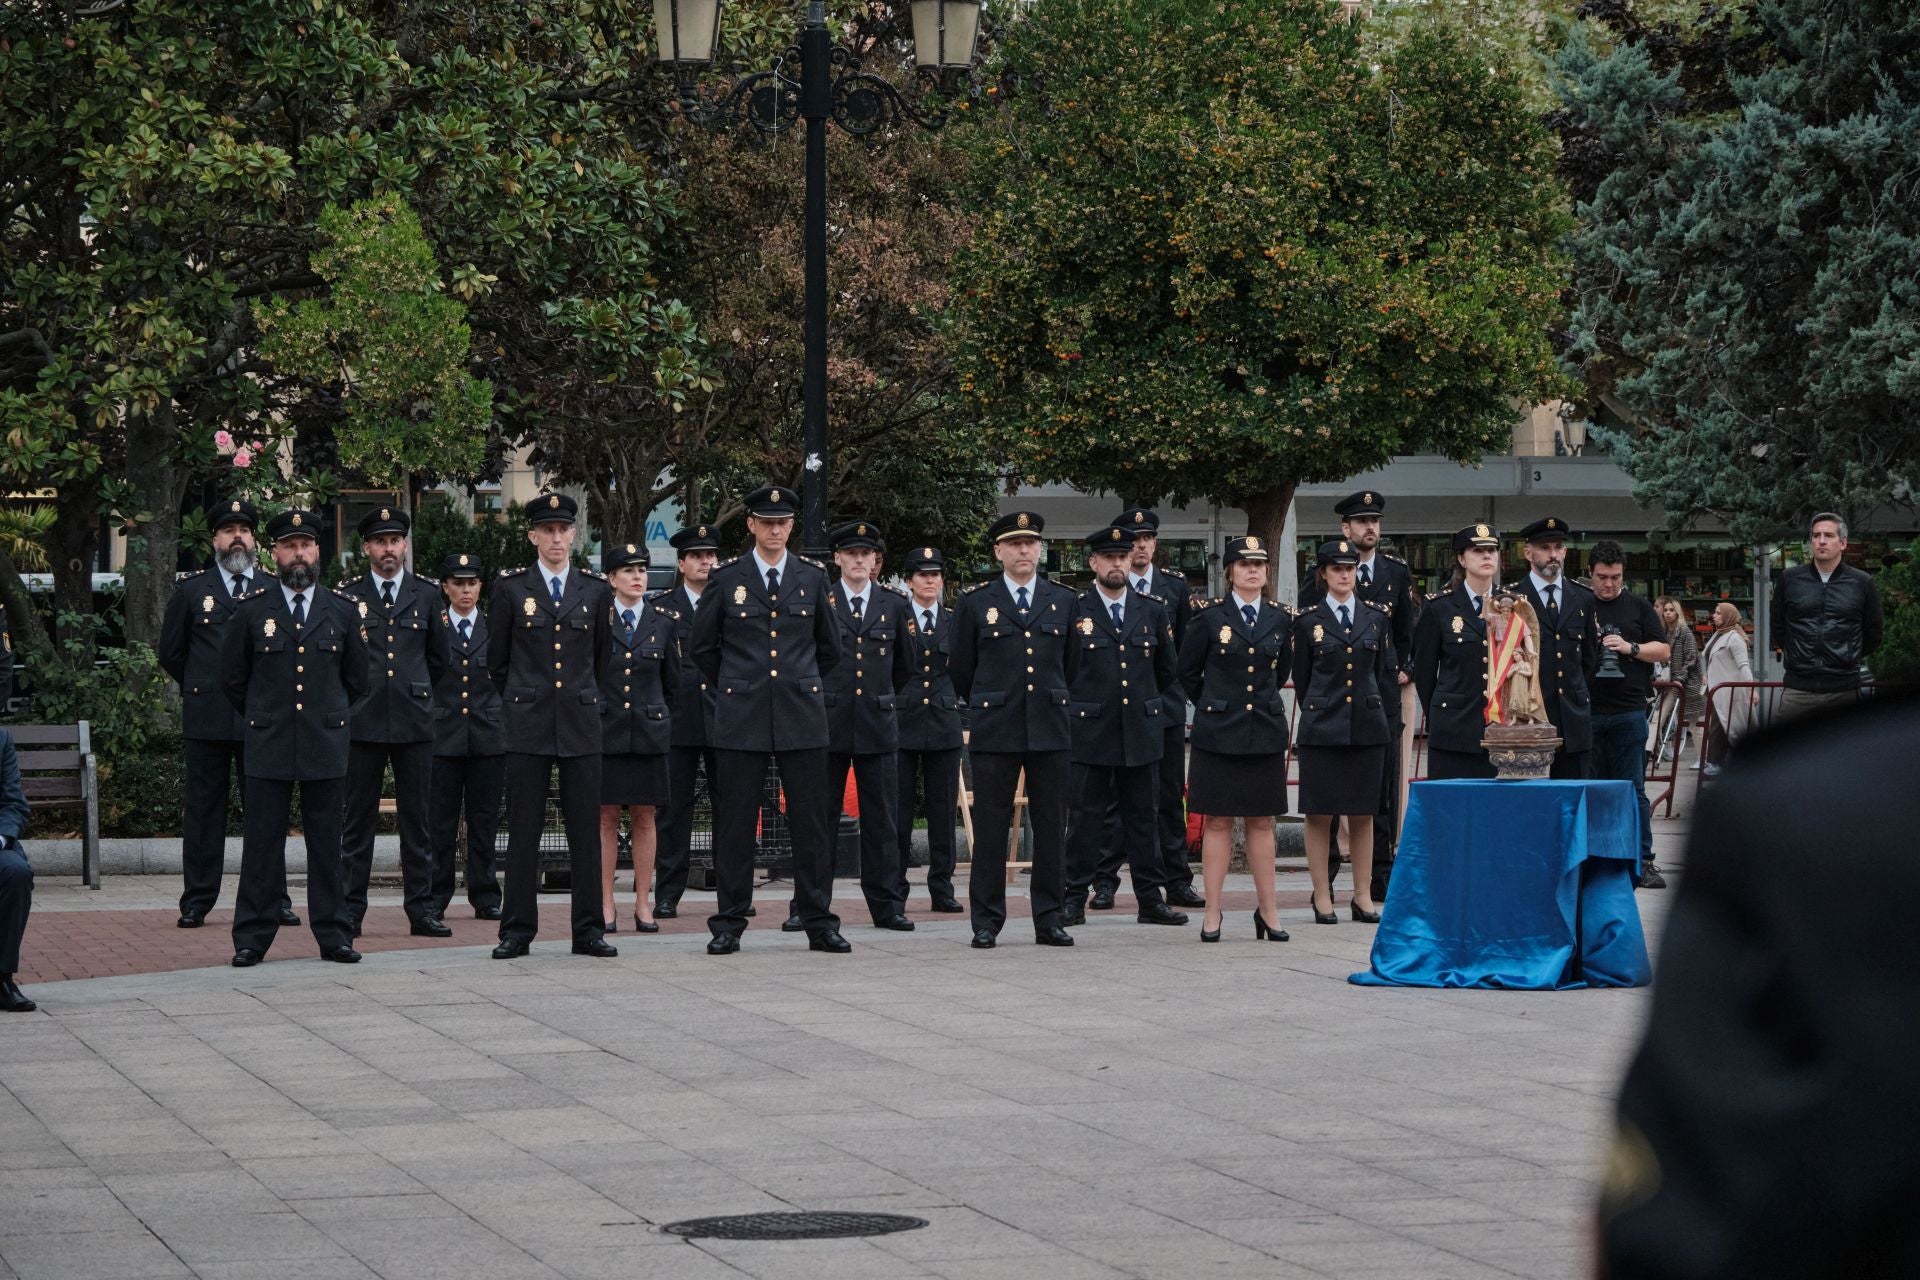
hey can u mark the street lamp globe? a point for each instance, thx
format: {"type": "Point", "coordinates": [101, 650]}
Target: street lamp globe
{"type": "Point", "coordinates": [685, 31]}
{"type": "Point", "coordinates": [945, 33]}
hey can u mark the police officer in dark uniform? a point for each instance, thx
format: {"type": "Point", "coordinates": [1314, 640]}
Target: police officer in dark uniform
{"type": "Point", "coordinates": [469, 747]}
{"type": "Point", "coordinates": [1012, 663]}
{"type": "Point", "coordinates": [639, 689]}
{"type": "Point", "coordinates": [203, 603]}
{"type": "Point", "coordinates": [697, 548]}
{"type": "Point", "coordinates": [1450, 660]}
{"type": "Point", "coordinates": [1569, 642]}
{"type": "Point", "coordinates": [548, 635]}
{"type": "Point", "coordinates": [393, 725]}
{"type": "Point", "coordinates": [1386, 582]}
{"type": "Point", "coordinates": [1117, 708]}
{"type": "Point", "coordinates": [766, 641]}
{"type": "Point", "coordinates": [292, 661]}
{"type": "Point", "coordinates": [1176, 872]}
{"type": "Point", "coordinates": [930, 734]}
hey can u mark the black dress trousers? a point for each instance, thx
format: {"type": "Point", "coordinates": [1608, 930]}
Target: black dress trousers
{"type": "Point", "coordinates": [470, 787]}
{"type": "Point", "coordinates": [939, 773]}
{"type": "Point", "coordinates": [736, 815]}
{"type": "Point", "coordinates": [263, 867]}
{"type": "Point", "coordinates": [527, 778]}
{"type": "Point", "coordinates": [883, 878]}
{"type": "Point", "coordinates": [995, 775]}
{"type": "Point", "coordinates": [366, 770]}
{"type": "Point", "coordinates": [675, 853]}
{"type": "Point", "coordinates": [16, 903]}
{"type": "Point", "coordinates": [212, 764]}
{"type": "Point", "coordinates": [1131, 794]}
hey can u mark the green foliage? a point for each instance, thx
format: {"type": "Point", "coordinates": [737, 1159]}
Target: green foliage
{"type": "Point", "coordinates": [120, 690]}
{"type": "Point", "coordinates": [1748, 260]}
{"type": "Point", "coordinates": [1898, 661]}
{"type": "Point", "coordinates": [1219, 253]}
{"type": "Point", "coordinates": [141, 795]}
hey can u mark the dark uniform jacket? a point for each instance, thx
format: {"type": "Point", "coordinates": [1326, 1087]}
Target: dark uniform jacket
{"type": "Point", "coordinates": [406, 653]}
{"type": "Point", "coordinates": [466, 706]}
{"type": "Point", "coordinates": [1825, 630]}
{"type": "Point", "coordinates": [190, 639]}
{"type": "Point", "coordinates": [1341, 678]}
{"type": "Point", "coordinates": [1450, 670]}
{"type": "Point", "coordinates": [1171, 590]}
{"type": "Point", "coordinates": [929, 708]}
{"type": "Point", "coordinates": [1569, 655]}
{"type": "Point", "coordinates": [640, 685]}
{"type": "Point", "coordinates": [767, 660]}
{"type": "Point", "coordinates": [1390, 585]}
{"type": "Point", "coordinates": [546, 659]}
{"type": "Point", "coordinates": [693, 706]}
{"type": "Point", "coordinates": [294, 688]}
{"type": "Point", "coordinates": [1013, 672]}
{"type": "Point", "coordinates": [1117, 699]}
{"type": "Point", "coordinates": [862, 718]}
{"type": "Point", "coordinates": [1233, 673]}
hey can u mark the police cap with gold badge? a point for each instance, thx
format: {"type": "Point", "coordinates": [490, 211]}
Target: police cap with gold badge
{"type": "Point", "coordinates": [773, 502]}
{"type": "Point", "coordinates": [1547, 529]}
{"type": "Point", "coordinates": [1016, 524]}
{"type": "Point", "coordinates": [1142, 520]}
{"type": "Point", "coordinates": [1367, 502]}
{"type": "Point", "coordinates": [383, 520]}
{"type": "Point", "coordinates": [1247, 548]}
{"type": "Point", "coordinates": [1337, 551]}
{"type": "Point", "coordinates": [856, 535]}
{"type": "Point", "coordinates": [696, 537]}
{"type": "Point", "coordinates": [461, 564]}
{"type": "Point", "coordinates": [295, 523]}
{"type": "Point", "coordinates": [553, 508]}
{"type": "Point", "coordinates": [621, 554]}
{"type": "Point", "coordinates": [922, 560]}
{"type": "Point", "coordinates": [1476, 535]}
{"type": "Point", "coordinates": [232, 511]}
{"type": "Point", "coordinates": [1113, 537]}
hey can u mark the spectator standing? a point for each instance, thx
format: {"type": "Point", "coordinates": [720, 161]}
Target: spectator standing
{"type": "Point", "coordinates": [1826, 623]}
{"type": "Point", "coordinates": [1726, 659]}
{"type": "Point", "coordinates": [1634, 638]}
{"type": "Point", "coordinates": [1683, 668]}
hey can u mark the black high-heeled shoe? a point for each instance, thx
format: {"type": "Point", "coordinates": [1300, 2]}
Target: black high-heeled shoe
{"type": "Point", "coordinates": [1319, 917]}
{"type": "Point", "coordinates": [611, 926]}
{"type": "Point", "coordinates": [1363, 917]}
{"type": "Point", "coordinates": [1211, 935]}
{"type": "Point", "coordinates": [1266, 932]}
{"type": "Point", "coordinates": [645, 926]}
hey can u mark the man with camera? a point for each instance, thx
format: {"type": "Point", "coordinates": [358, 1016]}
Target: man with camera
{"type": "Point", "coordinates": [1632, 639]}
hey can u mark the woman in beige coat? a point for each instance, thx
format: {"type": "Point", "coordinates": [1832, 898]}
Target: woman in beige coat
{"type": "Point", "coordinates": [1729, 711]}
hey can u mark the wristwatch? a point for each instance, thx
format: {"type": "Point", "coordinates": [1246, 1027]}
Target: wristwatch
{"type": "Point", "coordinates": [1635, 654]}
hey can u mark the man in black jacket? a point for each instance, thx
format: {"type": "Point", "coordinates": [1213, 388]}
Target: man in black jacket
{"type": "Point", "coordinates": [293, 661]}
{"type": "Point", "coordinates": [469, 747]}
{"type": "Point", "coordinates": [698, 550]}
{"type": "Point", "coordinates": [202, 605]}
{"type": "Point", "coordinates": [1827, 621]}
{"type": "Point", "coordinates": [930, 734]}
{"type": "Point", "coordinates": [393, 724]}
{"type": "Point", "coordinates": [1569, 642]}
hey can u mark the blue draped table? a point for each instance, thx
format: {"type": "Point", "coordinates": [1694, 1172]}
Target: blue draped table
{"type": "Point", "coordinates": [1524, 886]}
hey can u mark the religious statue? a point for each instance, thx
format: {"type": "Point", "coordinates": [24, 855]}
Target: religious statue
{"type": "Point", "coordinates": [1513, 659]}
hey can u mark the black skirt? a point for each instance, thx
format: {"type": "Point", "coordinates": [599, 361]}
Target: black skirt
{"type": "Point", "coordinates": [1224, 786]}
{"type": "Point", "coordinates": [1342, 781]}
{"type": "Point", "coordinates": [633, 779]}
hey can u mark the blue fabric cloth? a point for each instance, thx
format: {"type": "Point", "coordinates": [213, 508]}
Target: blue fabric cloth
{"type": "Point", "coordinates": [1620, 751]}
{"type": "Point", "coordinates": [1523, 886]}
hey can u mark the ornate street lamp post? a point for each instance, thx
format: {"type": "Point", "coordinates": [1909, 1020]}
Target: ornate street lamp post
{"type": "Point", "coordinates": [829, 86]}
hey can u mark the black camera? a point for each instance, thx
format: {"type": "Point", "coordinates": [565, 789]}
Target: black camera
{"type": "Point", "coordinates": [1610, 668]}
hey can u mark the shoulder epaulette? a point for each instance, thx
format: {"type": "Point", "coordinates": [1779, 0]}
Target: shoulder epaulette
{"type": "Point", "coordinates": [594, 573]}
{"type": "Point", "coordinates": [345, 594]}
{"type": "Point", "coordinates": [1435, 595]}
{"type": "Point", "coordinates": [820, 565]}
{"type": "Point", "coordinates": [1383, 608]}
{"type": "Point", "coordinates": [975, 587]}
{"type": "Point", "coordinates": [894, 590]}
{"type": "Point", "coordinates": [1195, 602]}
{"type": "Point", "coordinates": [513, 573]}
{"type": "Point", "coordinates": [257, 591]}
{"type": "Point", "coordinates": [187, 573]}
{"type": "Point", "coordinates": [1175, 574]}
{"type": "Point", "coordinates": [724, 563]}
{"type": "Point", "coordinates": [431, 582]}
{"type": "Point", "coordinates": [1396, 559]}
{"type": "Point", "coordinates": [665, 610]}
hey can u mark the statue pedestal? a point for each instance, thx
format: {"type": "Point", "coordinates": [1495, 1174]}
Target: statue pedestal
{"type": "Point", "coordinates": [1521, 751]}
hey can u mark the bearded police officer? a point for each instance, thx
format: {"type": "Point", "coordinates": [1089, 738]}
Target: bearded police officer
{"type": "Point", "coordinates": [549, 630]}
{"type": "Point", "coordinates": [1116, 706]}
{"type": "Point", "coordinates": [1569, 642]}
{"type": "Point", "coordinates": [202, 605]}
{"type": "Point", "coordinates": [1450, 660]}
{"type": "Point", "coordinates": [393, 725]}
{"type": "Point", "coordinates": [469, 747]}
{"type": "Point", "coordinates": [1012, 663]}
{"type": "Point", "coordinates": [766, 641]}
{"type": "Point", "coordinates": [930, 735]}
{"type": "Point", "coordinates": [697, 548]}
{"type": "Point", "coordinates": [293, 660]}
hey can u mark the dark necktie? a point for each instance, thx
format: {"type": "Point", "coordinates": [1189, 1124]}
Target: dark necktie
{"type": "Point", "coordinates": [386, 593]}
{"type": "Point", "coordinates": [555, 582]}
{"type": "Point", "coordinates": [1247, 611]}
{"type": "Point", "coordinates": [1366, 577]}
{"type": "Point", "coordinates": [1553, 605]}
{"type": "Point", "coordinates": [1473, 604]}
{"type": "Point", "coordinates": [926, 620]}
{"type": "Point", "coordinates": [299, 610]}
{"type": "Point", "coordinates": [1118, 620]}
{"type": "Point", "coordinates": [1141, 586]}
{"type": "Point", "coordinates": [773, 583]}
{"type": "Point", "coordinates": [466, 630]}
{"type": "Point", "coordinates": [856, 608]}
{"type": "Point", "coordinates": [1345, 621]}
{"type": "Point", "coordinates": [239, 585]}
{"type": "Point", "coordinates": [1021, 599]}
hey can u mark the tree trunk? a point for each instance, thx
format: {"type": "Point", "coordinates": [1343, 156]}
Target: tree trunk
{"type": "Point", "coordinates": [153, 549]}
{"type": "Point", "coordinates": [72, 544]}
{"type": "Point", "coordinates": [1267, 521]}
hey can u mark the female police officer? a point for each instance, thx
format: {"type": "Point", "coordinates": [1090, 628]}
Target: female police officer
{"type": "Point", "coordinates": [1343, 668]}
{"type": "Point", "coordinates": [1231, 664]}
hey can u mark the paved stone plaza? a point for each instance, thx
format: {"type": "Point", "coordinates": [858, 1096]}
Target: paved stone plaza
{"type": "Point", "coordinates": [1140, 1105]}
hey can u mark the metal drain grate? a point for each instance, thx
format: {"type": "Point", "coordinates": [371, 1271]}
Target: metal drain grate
{"type": "Point", "coordinates": [794, 1226]}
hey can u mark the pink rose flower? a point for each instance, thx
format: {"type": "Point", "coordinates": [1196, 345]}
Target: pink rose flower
{"type": "Point", "coordinates": [223, 441]}
{"type": "Point", "coordinates": [243, 459]}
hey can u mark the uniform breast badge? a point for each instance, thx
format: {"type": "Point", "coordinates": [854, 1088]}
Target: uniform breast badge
{"type": "Point", "coordinates": [527, 606]}
{"type": "Point", "coordinates": [206, 604]}
{"type": "Point", "coordinates": [268, 628]}
{"type": "Point", "coordinates": [740, 594]}
{"type": "Point", "coordinates": [363, 607]}
{"type": "Point", "coordinates": [993, 616]}
{"type": "Point", "coordinates": [1226, 635]}
{"type": "Point", "coordinates": [1319, 633]}
{"type": "Point", "coordinates": [1086, 626]}
{"type": "Point", "coordinates": [1459, 624]}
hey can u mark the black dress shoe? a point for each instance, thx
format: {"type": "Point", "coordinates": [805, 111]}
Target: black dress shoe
{"type": "Point", "coordinates": [486, 913]}
{"type": "Point", "coordinates": [1183, 895]}
{"type": "Point", "coordinates": [666, 911]}
{"type": "Point", "coordinates": [1361, 915]}
{"type": "Point", "coordinates": [12, 998]}
{"type": "Point", "coordinates": [1102, 900]}
{"type": "Point", "coordinates": [246, 958]}
{"type": "Point", "coordinates": [430, 927]}
{"type": "Point", "coordinates": [289, 918]}
{"type": "Point", "coordinates": [191, 918]}
{"type": "Point", "coordinates": [600, 948]}
{"type": "Point", "coordinates": [1160, 913]}
{"type": "Point", "coordinates": [723, 944]}
{"type": "Point", "coordinates": [1319, 917]}
{"type": "Point", "coordinates": [899, 924]}
{"type": "Point", "coordinates": [751, 911]}
{"type": "Point", "coordinates": [793, 924]}
{"type": "Point", "coordinates": [1052, 935]}
{"type": "Point", "coordinates": [1071, 916]}
{"type": "Point", "coordinates": [948, 906]}
{"type": "Point", "coordinates": [645, 926]}
{"type": "Point", "coordinates": [983, 940]}
{"type": "Point", "coordinates": [828, 940]}
{"type": "Point", "coordinates": [1266, 932]}
{"type": "Point", "coordinates": [509, 948]}
{"type": "Point", "coordinates": [340, 955]}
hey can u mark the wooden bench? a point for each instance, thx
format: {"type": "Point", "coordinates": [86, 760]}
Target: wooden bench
{"type": "Point", "coordinates": [57, 768]}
